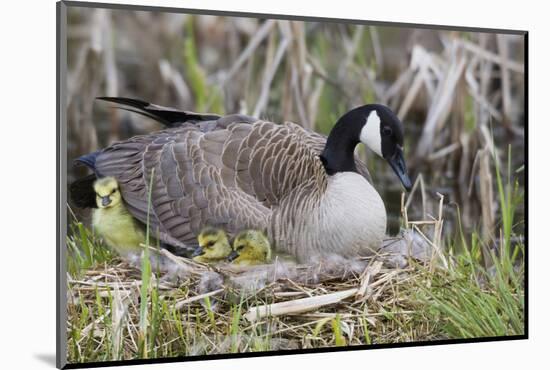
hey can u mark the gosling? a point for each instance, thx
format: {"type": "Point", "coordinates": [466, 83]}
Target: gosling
{"type": "Point", "coordinates": [112, 221]}
{"type": "Point", "coordinates": [213, 246]}
{"type": "Point", "coordinates": [250, 247]}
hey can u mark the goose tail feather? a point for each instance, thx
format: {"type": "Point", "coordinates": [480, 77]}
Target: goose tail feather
{"type": "Point", "coordinates": [170, 117]}
{"type": "Point", "coordinates": [88, 160]}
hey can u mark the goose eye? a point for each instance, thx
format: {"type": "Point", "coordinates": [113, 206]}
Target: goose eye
{"type": "Point", "coordinates": [386, 131]}
{"type": "Point", "coordinates": [210, 244]}
{"type": "Point", "coordinates": [114, 191]}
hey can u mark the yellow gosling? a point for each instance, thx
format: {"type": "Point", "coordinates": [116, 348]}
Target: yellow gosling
{"type": "Point", "coordinates": [213, 246]}
{"type": "Point", "coordinates": [112, 221]}
{"type": "Point", "coordinates": [250, 247]}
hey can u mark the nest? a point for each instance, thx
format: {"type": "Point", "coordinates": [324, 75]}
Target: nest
{"type": "Point", "coordinates": [358, 298]}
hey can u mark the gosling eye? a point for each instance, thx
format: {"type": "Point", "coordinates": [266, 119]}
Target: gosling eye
{"type": "Point", "coordinates": [386, 131]}
{"type": "Point", "coordinates": [114, 191]}
{"type": "Point", "coordinates": [210, 244]}
{"type": "Point", "coordinates": [240, 247]}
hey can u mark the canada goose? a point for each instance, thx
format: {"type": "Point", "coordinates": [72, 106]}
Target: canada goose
{"type": "Point", "coordinates": [250, 247]}
{"type": "Point", "coordinates": [309, 193]}
{"type": "Point", "coordinates": [213, 246]}
{"type": "Point", "coordinates": [112, 221]}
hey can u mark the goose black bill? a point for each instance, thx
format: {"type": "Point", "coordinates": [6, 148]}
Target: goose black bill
{"type": "Point", "coordinates": [397, 163]}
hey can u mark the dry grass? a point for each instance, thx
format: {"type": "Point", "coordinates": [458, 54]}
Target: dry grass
{"type": "Point", "coordinates": [380, 305]}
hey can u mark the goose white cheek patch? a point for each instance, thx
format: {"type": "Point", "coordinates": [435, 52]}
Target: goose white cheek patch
{"type": "Point", "coordinates": [370, 133]}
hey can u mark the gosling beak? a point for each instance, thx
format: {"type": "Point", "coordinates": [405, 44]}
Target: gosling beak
{"type": "Point", "coordinates": [232, 256]}
{"type": "Point", "coordinates": [397, 163]}
{"type": "Point", "coordinates": [198, 252]}
{"type": "Point", "coordinates": [105, 201]}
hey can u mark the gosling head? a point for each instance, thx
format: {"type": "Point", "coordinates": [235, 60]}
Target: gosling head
{"type": "Point", "coordinates": [377, 127]}
{"type": "Point", "coordinates": [107, 192]}
{"type": "Point", "coordinates": [213, 245]}
{"type": "Point", "coordinates": [250, 247]}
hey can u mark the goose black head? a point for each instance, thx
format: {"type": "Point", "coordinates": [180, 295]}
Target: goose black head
{"type": "Point", "coordinates": [378, 128]}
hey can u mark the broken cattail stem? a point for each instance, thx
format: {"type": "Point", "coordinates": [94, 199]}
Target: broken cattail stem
{"type": "Point", "coordinates": [298, 305]}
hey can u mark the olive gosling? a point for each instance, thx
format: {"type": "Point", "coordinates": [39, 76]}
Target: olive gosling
{"type": "Point", "coordinates": [213, 246]}
{"type": "Point", "coordinates": [112, 221]}
{"type": "Point", "coordinates": [250, 247]}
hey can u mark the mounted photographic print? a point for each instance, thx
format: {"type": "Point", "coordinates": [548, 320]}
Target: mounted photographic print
{"type": "Point", "coordinates": [235, 184]}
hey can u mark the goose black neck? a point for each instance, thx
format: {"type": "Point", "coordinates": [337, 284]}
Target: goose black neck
{"type": "Point", "coordinates": [338, 154]}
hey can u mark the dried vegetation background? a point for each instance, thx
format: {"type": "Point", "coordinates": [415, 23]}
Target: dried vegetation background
{"type": "Point", "coordinates": [461, 98]}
